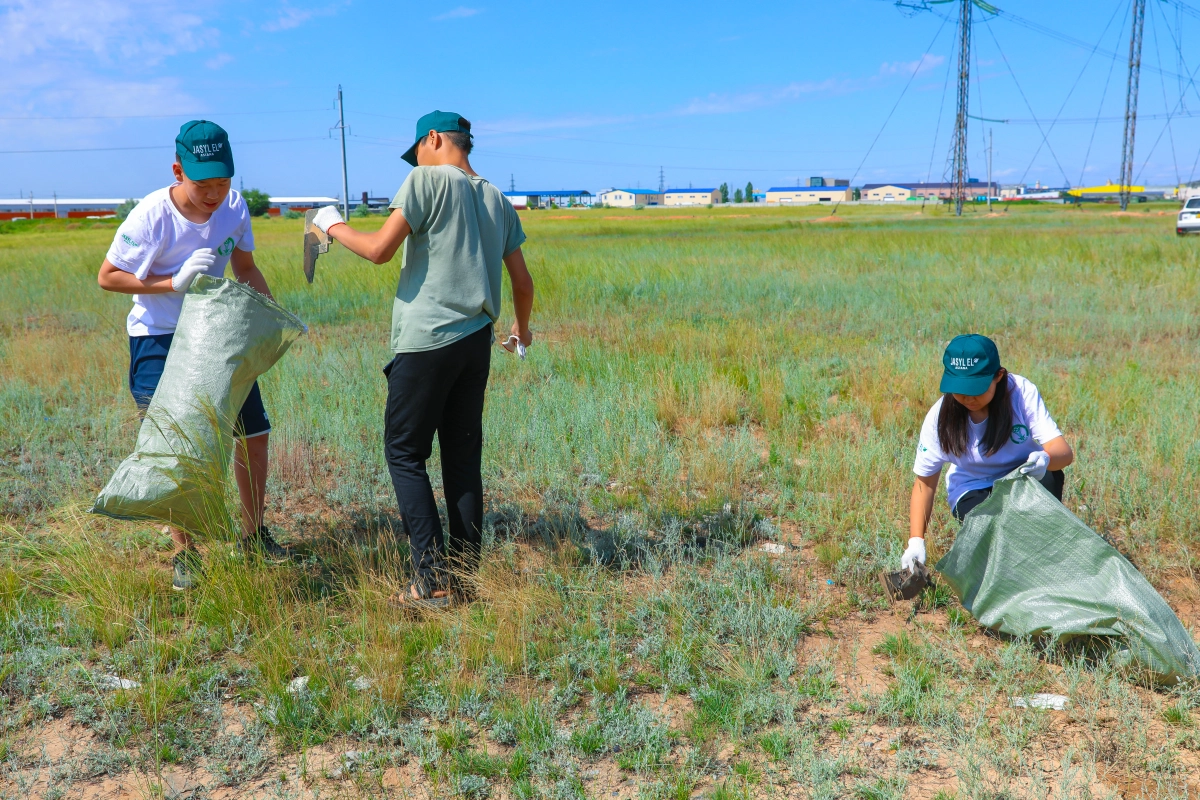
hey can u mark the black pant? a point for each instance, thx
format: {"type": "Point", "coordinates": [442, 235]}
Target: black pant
{"type": "Point", "coordinates": [1053, 481]}
{"type": "Point", "coordinates": [439, 390]}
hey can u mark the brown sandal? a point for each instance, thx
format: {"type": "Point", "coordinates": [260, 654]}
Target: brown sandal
{"type": "Point", "coordinates": [418, 597]}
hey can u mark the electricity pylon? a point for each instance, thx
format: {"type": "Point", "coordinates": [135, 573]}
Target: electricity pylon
{"type": "Point", "coordinates": [1131, 99]}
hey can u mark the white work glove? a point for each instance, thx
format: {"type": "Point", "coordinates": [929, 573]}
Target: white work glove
{"type": "Point", "coordinates": [197, 263]}
{"type": "Point", "coordinates": [915, 552]}
{"type": "Point", "coordinates": [327, 217]}
{"type": "Point", "coordinates": [513, 345]}
{"type": "Point", "coordinates": [1035, 466]}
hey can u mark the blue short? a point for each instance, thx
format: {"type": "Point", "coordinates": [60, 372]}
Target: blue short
{"type": "Point", "coordinates": [148, 354]}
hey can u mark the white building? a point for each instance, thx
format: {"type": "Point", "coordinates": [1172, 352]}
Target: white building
{"type": "Point", "coordinates": [65, 207]}
{"type": "Point", "coordinates": [628, 198]}
{"type": "Point", "coordinates": [282, 205]}
{"type": "Point", "coordinates": [809, 194]}
{"type": "Point", "coordinates": [691, 197]}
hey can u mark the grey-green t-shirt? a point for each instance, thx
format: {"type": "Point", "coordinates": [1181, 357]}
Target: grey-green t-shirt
{"type": "Point", "coordinates": [462, 228]}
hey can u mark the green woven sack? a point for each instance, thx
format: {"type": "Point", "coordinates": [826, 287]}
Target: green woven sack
{"type": "Point", "coordinates": [1024, 565]}
{"type": "Point", "coordinates": [228, 335]}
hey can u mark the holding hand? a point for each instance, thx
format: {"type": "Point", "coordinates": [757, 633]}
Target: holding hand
{"type": "Point", "coordinates": [327, 217]}
{"type": "Point", "coordinates": [197, 262]}
{"type": "Point", "coordinates": [915, 552]}
{"type": "Point", "coordinates": [518, 341]}
{"type": "Point", "coordinates": [1035, 466]}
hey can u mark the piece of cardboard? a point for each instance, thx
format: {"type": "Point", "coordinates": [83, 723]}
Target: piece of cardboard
{"type": "Point", "coordinates": [316, 242]}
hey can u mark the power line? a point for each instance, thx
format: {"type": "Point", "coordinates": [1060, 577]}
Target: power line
{"type": "Point", "coordinates": [904, 91]}
{"type": "Point", "coordinates": [194, 114]}
{"type": "Point", "coordinates": [1026, 101]}
{"type": "Point", "coordinates": [152, 146]}
{"type": "Point", "coordinates": [1092, 140]}
{"type": "Point", "coordinates": [1075, 85]}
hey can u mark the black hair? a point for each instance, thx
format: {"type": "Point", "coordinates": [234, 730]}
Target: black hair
{"type": "Point", "coordinates": [953, 417]}
{"type": "Point", "coordinates": [461, 138]}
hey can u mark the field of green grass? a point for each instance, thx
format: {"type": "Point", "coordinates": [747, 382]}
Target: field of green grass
{"type": "Point", "coordinates": [702, 382]}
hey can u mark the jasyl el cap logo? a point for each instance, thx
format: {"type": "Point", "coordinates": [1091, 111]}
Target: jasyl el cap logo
{"type": "Point", "coordinates": [970, 362]}
{"type": "Point", "coordinates": [203, 150]}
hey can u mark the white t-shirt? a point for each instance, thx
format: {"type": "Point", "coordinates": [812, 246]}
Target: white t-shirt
{"type": "Point", "coordinates": [155, 239]}
{"type": "Point", "coordinates": [1031, 428]}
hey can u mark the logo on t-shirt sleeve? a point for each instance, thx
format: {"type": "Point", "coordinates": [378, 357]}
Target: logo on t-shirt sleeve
{"type": "Point", "coordinates": [129, 241]}
{"type": "Point", "coordinates": [226, 247]}
{"type": "Point", "coordinates": [1020, 433]}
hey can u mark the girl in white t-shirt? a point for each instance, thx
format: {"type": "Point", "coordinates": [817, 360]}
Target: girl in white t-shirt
{"type": "Point", "coordinates": [987, 423]}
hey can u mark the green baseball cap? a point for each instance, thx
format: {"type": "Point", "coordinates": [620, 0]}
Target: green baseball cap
{"type": "Point", "coordinates": [203, 150]}
{"type": "Point", "coordinates": [440, 121]}
{"type": "Point", "coordinates": [970, 361]}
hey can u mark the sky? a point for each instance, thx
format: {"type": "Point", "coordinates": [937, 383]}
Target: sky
{"type": "Point", "coordinates": [588, 95]}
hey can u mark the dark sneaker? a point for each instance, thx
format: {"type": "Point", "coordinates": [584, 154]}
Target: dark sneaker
{"type": "Point", "coordinates": [186, 566]}
{"type": "Point", "coordinates": [263, 545]}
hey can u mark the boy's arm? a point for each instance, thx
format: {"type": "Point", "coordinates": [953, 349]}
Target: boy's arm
{"type": "Point", "coordinates": [522, 288]}
{"type": "Point", "coordinates": [115, 279]}
{"type": "Point", "coordinates": [379, 246]}
{"type": "Point", "coordinates": [247, 272]}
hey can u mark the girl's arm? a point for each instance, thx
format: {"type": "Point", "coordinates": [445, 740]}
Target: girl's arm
{"type": "Point", "coordinates": [1061, 454]}
{"type": "Point", "coordinates": [379, 246]}
{"type": "Point", "coordinates": [920, 507]}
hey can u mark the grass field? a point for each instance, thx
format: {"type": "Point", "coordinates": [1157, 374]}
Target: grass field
{"type": "Point", "coordinates": [702, 382]}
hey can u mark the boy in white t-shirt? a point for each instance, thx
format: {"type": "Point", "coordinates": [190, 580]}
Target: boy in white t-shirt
{"type": "Point", "coordinates": [195, 226]}
{"type": "Point", "coordinates": [987, 423]}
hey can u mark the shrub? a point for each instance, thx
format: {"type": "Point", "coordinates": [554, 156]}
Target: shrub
{"type": "Point", "coordinates": [256, 202]}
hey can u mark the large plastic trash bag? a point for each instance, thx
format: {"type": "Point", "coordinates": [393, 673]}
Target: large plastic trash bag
{"type": "Point", "coordinates": [228, 335]}
{"type": "Point", "coordinates": [1024, 565]}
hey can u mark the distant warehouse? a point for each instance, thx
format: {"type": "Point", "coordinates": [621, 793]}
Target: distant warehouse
{"type": "Point", "coordinates": [283, 205]}
{"type": "Point", "coordinates": [691, 197]}
{"type": "Point", "coordinates": [67, 207]}
{"type": "Point", "coordinates": [890, 192]}
{"type": "Point", "coordinates": [631, 197]}
{"type": "Point", "coordinates": [542, 199]}
{"type": "Point", "coordinates": [818, 190]}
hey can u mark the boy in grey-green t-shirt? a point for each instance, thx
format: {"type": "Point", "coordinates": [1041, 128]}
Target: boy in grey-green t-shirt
{"type": "Point", "coordinates": [462, 227]}
{"type": "Point", "coordinates": [457, 230]}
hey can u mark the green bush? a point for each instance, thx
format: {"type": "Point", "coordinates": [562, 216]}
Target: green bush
{"type": "Point", "coordinates": [257, 202]}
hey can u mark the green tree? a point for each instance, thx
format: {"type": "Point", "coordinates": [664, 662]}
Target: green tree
{"type": "Point", "coordinates": [724, 190]}
{"type": "Point", "coordinates": [123, 210]}
{"type": "Point", "coordinates": [257, 202]}
{"type": "Point", "coordinates": [749, 192]}
{"type": "Point", "coordinates": [737, 196]}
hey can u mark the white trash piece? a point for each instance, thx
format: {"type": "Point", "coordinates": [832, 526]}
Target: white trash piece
{"type": "Point", "coordinates": [113, 682]}
{"type": "Point", "coordinates": [774, 548]}
{"type": "Point", "coordinates": [297, 685]}
{"type": "Point", "coordinates": [1056, 702]}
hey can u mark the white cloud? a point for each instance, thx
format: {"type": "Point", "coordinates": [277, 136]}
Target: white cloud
{"type": "Point", "coordinates": [746, 101]}
{"type": "Point", "coordinates": [462, 12]}
{"type": "Point", "coordinates": [97, 58]}
{"type": "Point", "coordinates": [527, 125]}
{"type": "Point", "coordinates": [218, 61]}
{"type": "Point", "coordinates": [147, 30]}
{"type": "Point", "coordinates": [291, 17]}
{"type": "Point", "coordinates": [922, 64]}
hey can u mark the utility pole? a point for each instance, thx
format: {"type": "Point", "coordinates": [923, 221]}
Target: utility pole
{"type": "Point", "coordinates": [1131, 99]}
{"type": "Point", "coordinates": [31, 203]}
{"type": "Point", "coordinates": [989, 186]}
{"type": "Point", "coordinates": [512, 182]}
{"type": "Point", "coordinates": [958, 167]}
{"type": "Point", "coordinates": [56, 204]}
{"type": "Point", "coordinates": [661, 184]}
{"type": "Point", "coordinates": [342, 129]}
